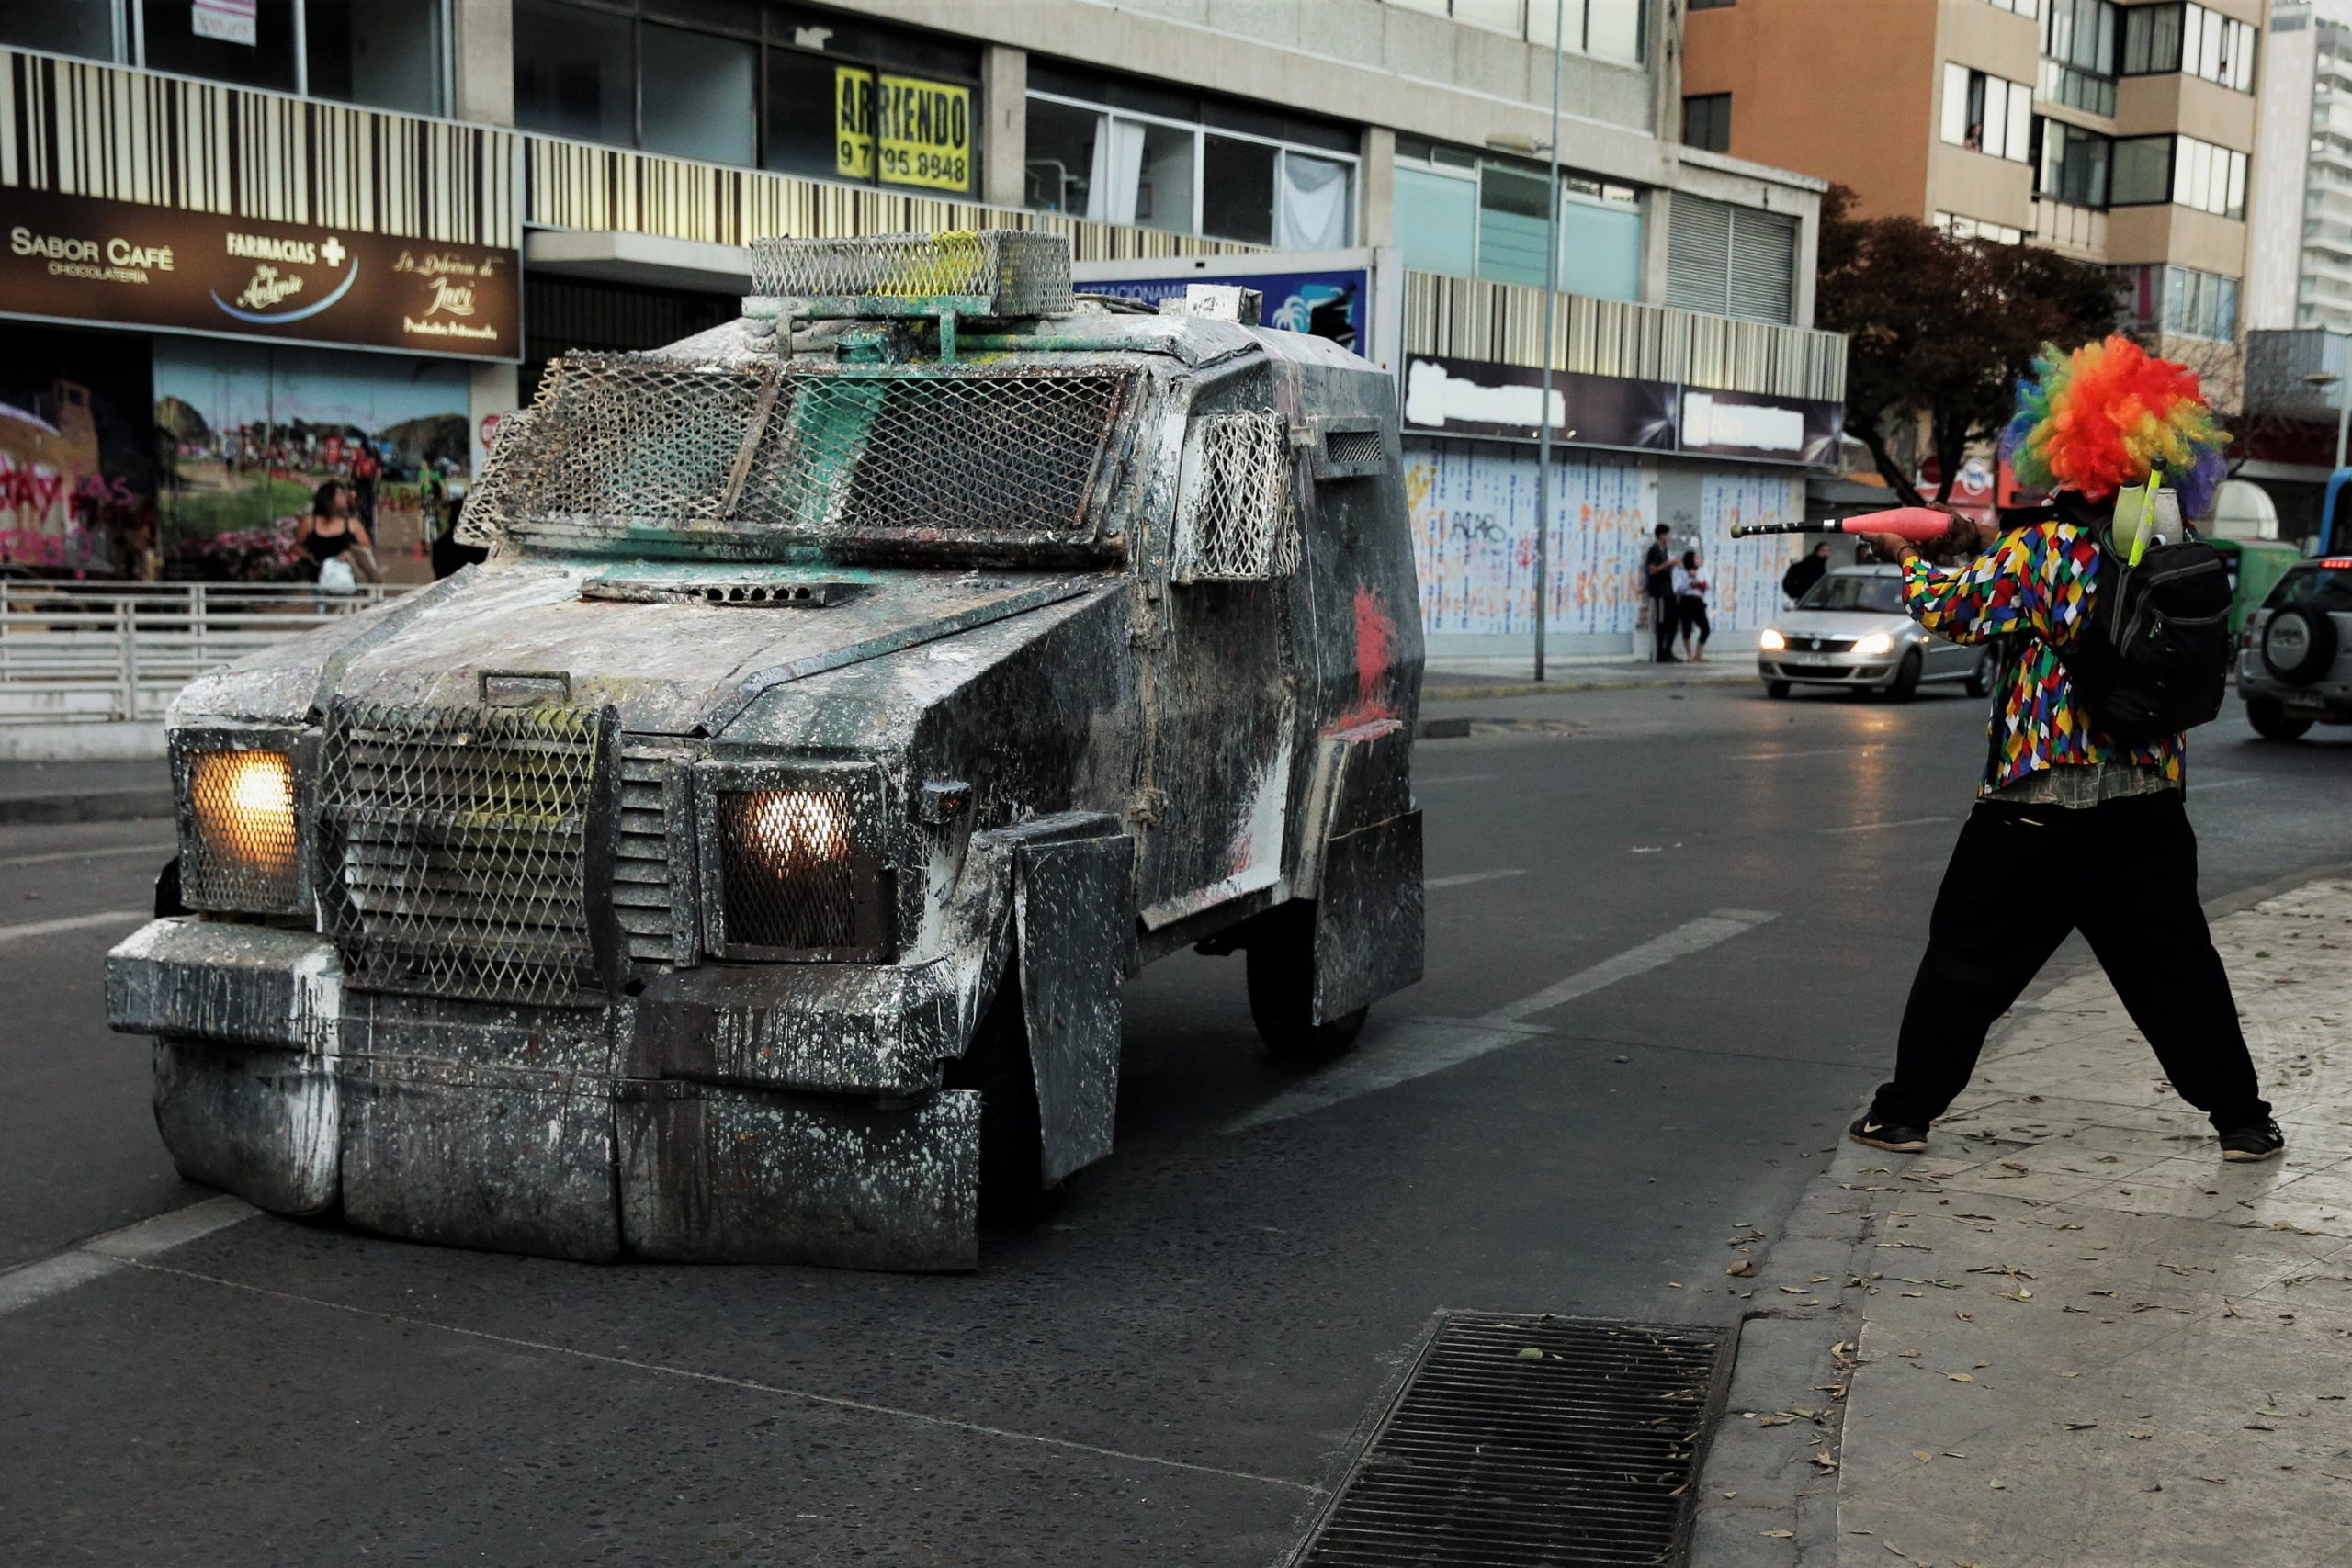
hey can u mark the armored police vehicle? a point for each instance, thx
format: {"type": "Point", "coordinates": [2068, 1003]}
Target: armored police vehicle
{"type": "Point", "coordinates": [743, 862]}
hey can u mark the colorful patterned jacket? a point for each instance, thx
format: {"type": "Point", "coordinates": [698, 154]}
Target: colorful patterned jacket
{"type": "Point", "coordinates": [2038, 581]}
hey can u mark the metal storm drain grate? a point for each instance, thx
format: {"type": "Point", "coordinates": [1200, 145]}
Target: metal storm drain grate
{"type": "Point", "coordinates": [1554, 1441]}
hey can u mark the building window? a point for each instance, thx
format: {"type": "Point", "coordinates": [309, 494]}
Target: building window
{"type": "Point", "coordinates": [1730, 261]}
{"type": "Point", "coordinates": [1726, 5]}
{"type": "Point", "coordinates": [779, 86]}
{"type": "Point", "coordinates": [1469, 216]}
{"type": "Point", "coordinates": [184, 38]}
{"type": "Point", "coordinates": [386, 54]}
{"type": "Point", "coordinates": [2181, 301]}
{"type": "Point", "coordinates": [1962, 228]}
{"type": "Point", "coordinates": [2078, 54]}
{"type": "Point", "coordinates": [2022, 7]}
{"type": "Point", "coordinates": [1706, 122]}
{"type": "Point", "coordinates": [1132, 153]}
{"type": "Point", "coordinates": [85, 27]}
{"type": "Point", "coordinates": [2150, 170]}
{"type": "Point", "coordinates": [1611, 29]}
{"type": "Point", "coordinates": [1986, 113]}
{"type": "Point", "coordinates": [2193, 39]}
{"type": "Point", "coordinates": [2071, 164]}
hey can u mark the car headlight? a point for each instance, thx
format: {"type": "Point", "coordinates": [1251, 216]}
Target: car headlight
{"type": "Point", "coordinates": [1769, 639]}
{"type": "Point", "coordinates": [1877, 642]}
{"type": "Point", "coordinates": [241, 839]}
{"type": "Point", "coordinates": [797, 878]}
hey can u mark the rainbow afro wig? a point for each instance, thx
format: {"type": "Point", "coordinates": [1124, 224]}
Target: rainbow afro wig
{"type": "Point", "coordinates": [2098, 419]}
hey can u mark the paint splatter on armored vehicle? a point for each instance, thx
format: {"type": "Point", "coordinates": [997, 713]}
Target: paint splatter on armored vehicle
{"type": "Point", "coordinates": [743, 864]}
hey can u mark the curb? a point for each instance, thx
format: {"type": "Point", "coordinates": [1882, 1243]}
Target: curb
{"type": "Point", "coordinates": [92, 806]}
{"type": "Point", "coordinates": [1547, 688]}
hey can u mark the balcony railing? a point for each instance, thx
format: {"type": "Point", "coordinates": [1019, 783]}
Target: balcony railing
{"type": "Point", "coordinates": [78, 652]}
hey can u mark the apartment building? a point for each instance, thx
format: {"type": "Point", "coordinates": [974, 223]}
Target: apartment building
{"type": "Point", "coordinates": [248, 238]}
{"type": "Point", "coordinates": [2300, 272]}
{"type": "Point", "coordinates": [2119, 134]}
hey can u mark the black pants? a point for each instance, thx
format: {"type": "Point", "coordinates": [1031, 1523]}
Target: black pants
{"type": "Point", "coordinates": [1663, 621]}
{"type": "Point", "coordinates": [2022, 878]}
{"type": "Point", "coordinates": [1692, 611]}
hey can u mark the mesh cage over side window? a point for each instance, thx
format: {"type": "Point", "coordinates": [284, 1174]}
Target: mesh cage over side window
{"type": "Point", "coordinates": [1237, 518]}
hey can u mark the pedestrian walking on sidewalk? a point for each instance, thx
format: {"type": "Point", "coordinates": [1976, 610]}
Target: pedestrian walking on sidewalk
{"type": "Point", "coordinates": [1658, 585]}
{"type": "Point", "coordinates": [2072, 830]}
{"type": "Point", "coordinates": [1690, 608]}
{"type": "Point", "coordinates": [1805, 572]}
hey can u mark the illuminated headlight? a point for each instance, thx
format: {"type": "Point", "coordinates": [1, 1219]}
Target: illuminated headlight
{"type": "Point", "coordinates": [241, 836]}
{"type": "Point", "coordinates": [1771, 639]}
{"type": "Point", "coordinates": [795, 879]}
{"type": "Point", "coordinates": [1877, 642]}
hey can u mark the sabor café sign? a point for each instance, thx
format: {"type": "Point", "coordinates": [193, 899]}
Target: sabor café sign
{"type": "Point", "coordinates": [73, 258]}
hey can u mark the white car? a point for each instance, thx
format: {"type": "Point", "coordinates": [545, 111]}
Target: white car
{"type": "Point", "coordinates": [1850, 630]}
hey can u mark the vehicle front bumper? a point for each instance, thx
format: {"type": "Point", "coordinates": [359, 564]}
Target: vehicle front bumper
{"type": "Point", "coordinates": [1831, 668]}
{"type": "Point", "coordinates": [777, 1113]}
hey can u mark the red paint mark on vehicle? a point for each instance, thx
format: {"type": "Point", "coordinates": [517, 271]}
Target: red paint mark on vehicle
{"type": "Point", "coordinates": [1375, 639]}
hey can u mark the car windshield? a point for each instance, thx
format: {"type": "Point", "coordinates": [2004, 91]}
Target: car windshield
{"type": "Point", "coordinates": [2326, 586]}
{"type": "Point", "coordinates": [1854, 591]}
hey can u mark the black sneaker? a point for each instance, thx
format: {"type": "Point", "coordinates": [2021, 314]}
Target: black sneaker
{"type": "Point", "coordinates": [1891, 1135]}
{"type": "Point", "coordinates": [2262, 1141]}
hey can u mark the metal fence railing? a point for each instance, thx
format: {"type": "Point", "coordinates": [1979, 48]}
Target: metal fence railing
{"type": "Point", "coordinates": [99, 653]}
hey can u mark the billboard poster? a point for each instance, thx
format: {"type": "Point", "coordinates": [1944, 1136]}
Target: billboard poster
{"type": "Point", "coordinates": [69, 258]}
{"type": "Point", "coordinates": [921, 130]}
{"type": "Point", "coordinates": [250, 430]}
{"type": "Point", "coordinates": [1331, 303]}
{"type": "Point", "coordinates": [77, 453]}
{"type": "Point", "coordinates": [1477, 397]}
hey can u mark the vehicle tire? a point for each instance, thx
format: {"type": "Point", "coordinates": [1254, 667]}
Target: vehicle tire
{"type": "Point", "coordinates": [1011, 1141]}
{"type": "Point", "coordinates": [1282, 990]}
{"type": "Point", "coordinates": [1776, 688]}
{"type": "Point", "coordinates": [2268, 716]}
{"type": "Point", "coordinates": [1906, 685]}
{"type": "Point", "coordinates": [1981, 678]}
{"type": "Point", "coordinates": [2299, 645]}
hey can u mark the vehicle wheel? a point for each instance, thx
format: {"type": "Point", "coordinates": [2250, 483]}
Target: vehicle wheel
{"type": "Point", "coordinates": [2299, 645]}
{"type": "Point", "coordinates": [1906, 685]}
{"type": "Point", "coordinates": [1011, 1142]}
{"type": "Point", "coordinates": [1981, 678]}
{"type": "Point", "coordinates": [1282, 990]}
{"type": "Point", "coordinates": [1776, 688]}
{"type": "Point", "coordinates": [2270, 719]}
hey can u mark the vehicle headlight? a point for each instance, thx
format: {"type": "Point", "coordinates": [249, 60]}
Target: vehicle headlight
{"type": "Point", "coordinates": [796, 878]}
{"type": "Point", "coordinates": [1769, 638]}
{"type": "Point", "coordinates": [241, 840]}
{"type": "Point", "coordinates": [1877, 642]}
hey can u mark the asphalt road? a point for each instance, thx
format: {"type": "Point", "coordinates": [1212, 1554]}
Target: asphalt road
{"type": "Point", "coordinates": [1600, 1080]}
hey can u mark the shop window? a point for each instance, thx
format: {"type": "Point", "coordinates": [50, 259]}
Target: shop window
{"type": "Point", "coordinates": [222, 45]}
{"type": "Point", "coordinates": [62, 27]}
{"type": "Point", "coordinates": [575, 73]}
{"type": "Point", "coordinates": [1137, 154]}
{"type": "Point", "coordinates": [1474, 217]}
{"type": "Point", "coordinates": [386, 54]}
{"type": "Point", "coordinates": [700, 95]}
{"type": "Point", "coordinates": [1601, 249]}
{"type": "Point", "coordinates": [1706, 122]}
{"type": "Point", "coordinates": [1511, 215]}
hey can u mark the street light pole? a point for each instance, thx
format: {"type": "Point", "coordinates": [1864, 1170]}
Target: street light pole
{"type": "Point", "coordinates": [1551, 306]}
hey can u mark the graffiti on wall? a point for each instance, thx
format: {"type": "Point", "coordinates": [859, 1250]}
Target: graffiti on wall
{"type": "Point", "coordinates": [1744, 575]}
{"type": "Point", "coordinates": [1474, 528]}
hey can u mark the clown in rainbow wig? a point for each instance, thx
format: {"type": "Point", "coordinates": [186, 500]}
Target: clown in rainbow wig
{"type": "Point", "coordinates": [2100, 418]}
{"type": "Point", "coordinates": [2072, 829]}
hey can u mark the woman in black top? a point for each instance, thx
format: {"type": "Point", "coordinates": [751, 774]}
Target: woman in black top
{"type": "Point", "coordinates": [328, 530]}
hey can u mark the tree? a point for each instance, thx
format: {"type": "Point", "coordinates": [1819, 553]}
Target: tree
{"type": "Point", "coordinates": [1940, 331]}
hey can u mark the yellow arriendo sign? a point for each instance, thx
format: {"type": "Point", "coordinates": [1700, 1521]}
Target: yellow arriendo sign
{"type": "Point", "coordinates": [924, 129]}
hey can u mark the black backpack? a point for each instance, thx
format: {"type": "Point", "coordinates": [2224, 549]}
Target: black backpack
{"type": "Point", "coordinates": [2154, 659]}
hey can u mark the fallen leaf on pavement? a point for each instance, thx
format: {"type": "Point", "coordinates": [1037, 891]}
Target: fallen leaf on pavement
{"type": "Point", "coordinates": [2144, 1437]}
{"type": "Point", "coordinates": [2079, 1425]}
{"type": "Point", "coordinates": [1960, 1376]}
{"type": "Point", "coordinates": [1743, 1269]}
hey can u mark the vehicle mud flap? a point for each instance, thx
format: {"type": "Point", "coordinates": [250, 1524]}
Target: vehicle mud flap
{"type": "Point", "coordinates": [1073, 905]}
{"type": "Point", "coordinates": [257, 1121]}
{"type": "Point", "coordinates": [471, 1155]}
{"type": "Point", "coordinates": [716, 1174]}
{"type": "Point", "coordinates": [1368, 933]}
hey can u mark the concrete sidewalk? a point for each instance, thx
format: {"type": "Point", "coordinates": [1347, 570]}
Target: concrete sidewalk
{"type": "Point", "coordinates": [2068, 1335]}
{"type": "Point", "coordinates": [83, 792]}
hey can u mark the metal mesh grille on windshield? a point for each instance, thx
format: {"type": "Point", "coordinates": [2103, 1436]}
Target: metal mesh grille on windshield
{"type": "Point", "coordinates": [1016, 274]}
{"type": "Point", "coordinates": [620, 441]}
{"type": "Point", "coordinates": [453, 849]}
